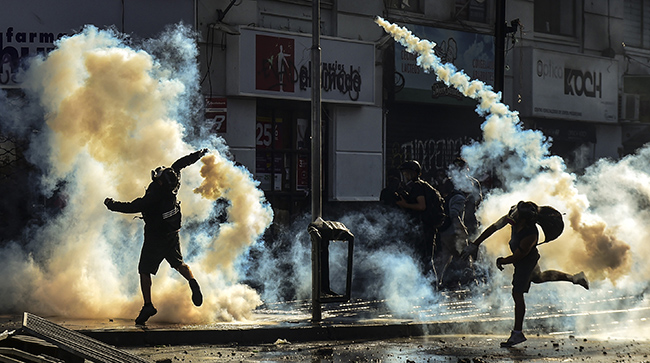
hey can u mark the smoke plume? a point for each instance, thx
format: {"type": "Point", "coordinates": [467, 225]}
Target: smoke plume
{"type": "Point", "coordinates": [112, 112]}
{"type": "Point", "coordinates": [524, 165]}
{"type": "Point", "coordinates": [605, 207]}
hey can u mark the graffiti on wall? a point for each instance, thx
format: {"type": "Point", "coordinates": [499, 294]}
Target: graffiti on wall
{"type": "Point", "coordinates": [433, 154]}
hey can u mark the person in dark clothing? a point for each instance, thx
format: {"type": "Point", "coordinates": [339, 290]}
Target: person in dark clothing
{"type": "Point", "coordinates": [388, 195]}
{"type": "Point", "coordinates": [162, 217]}
{"type": "Point", "coordinates": [412, 198]}
{"type": "Point", "coordinates": [523, 243]}
{"type": "Point", "coordinates": [452, 240]}
{"type": "Point", "coordinates": [474, 195]}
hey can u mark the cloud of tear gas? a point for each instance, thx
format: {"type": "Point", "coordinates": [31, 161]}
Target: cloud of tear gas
{"type": "Point", "coordinates": [112, 113]}
{"type": "Point", "coordinates": [248, 215]}
{"type": "Point", "coordinates": [524, 165]}
{"type": "Point", "coordinates": [384, 264]}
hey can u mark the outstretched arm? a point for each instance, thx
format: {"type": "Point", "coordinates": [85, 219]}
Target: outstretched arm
{"type": "Point", "coordinates": [502, 222]}
{"type": "Point", "coordinates": [188, 159]}
{"type": "Point", "coordinates": [472, 248]}
{"type": "Point", "coordinates": [135, 206]}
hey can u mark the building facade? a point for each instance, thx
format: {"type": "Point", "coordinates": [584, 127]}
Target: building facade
{"type": "Point", "coordinates": [574, 69]}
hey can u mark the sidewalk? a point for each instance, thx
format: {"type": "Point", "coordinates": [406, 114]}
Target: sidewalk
{"type": "Point", "coordinates": [291, 321]}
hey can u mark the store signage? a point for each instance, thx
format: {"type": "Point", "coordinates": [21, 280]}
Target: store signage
{"type": "Point", "coordinates": [28, 28]}
{"type": "Point", "coordinates": [216, 110]}
{"type": "Point", "coordinates": [278, 64]}
{"type": "Point", "coordinates": [471, 52]}
{"type": "Point", "coordinates": [572, 87]}
{"type": "Point", "coordinates": [16, 45]}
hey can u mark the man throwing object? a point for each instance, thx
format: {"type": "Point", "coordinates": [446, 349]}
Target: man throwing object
{"type": "Point", "coordinates": [161, 212]}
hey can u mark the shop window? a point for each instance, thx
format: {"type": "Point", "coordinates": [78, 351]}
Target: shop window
{"type": "Point", "coordinates": [283, 154]}
{"type": "Point", "coordinates": [471, 10]}
{"type": "Point", "coordinates": [636, 31]}
{"type": "Point", "coordinates": [414, 6]}
{"type": "Point", "coordinates": [555, 17]}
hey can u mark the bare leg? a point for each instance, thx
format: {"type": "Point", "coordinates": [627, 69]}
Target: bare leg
{"type": "Point", "coordinates": [185, 271]}
{"type": "Point", "coordinates": [145, 286]}
{"type": "Point", "coordinates": [553, 275]}
{"type": "Point", "coordinates": [197, 296]}
{"type": "Point", "coordinates": [148, 310]}
{"type": "Point", "coordinates": [520, 310]}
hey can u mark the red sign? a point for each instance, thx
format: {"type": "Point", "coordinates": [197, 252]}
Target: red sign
{"type": "Point", "coordinates": [216, 109]}
{"type": "Point", "coordinates": [275, 63]}
{"type": "Point", "coordinates": [267, 136]}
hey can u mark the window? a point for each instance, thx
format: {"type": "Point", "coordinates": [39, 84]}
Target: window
{"type": "Point", "coordinates": [282, 136]}
{"type": "Point", "coordinates": [637, 23]}
{"type": "Point", "coordinates": [555, 17]}
{"type": "Point", "coordinates": [414, 6]}
{"type": "Point", "coordinates": [471, 10]}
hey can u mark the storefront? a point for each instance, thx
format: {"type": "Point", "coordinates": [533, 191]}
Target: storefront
{"type": "Point", "coordinates": [573, 99]}
{"type": "Point", "coordinates": [31, 27]}
{"type": "Point", "coordinates": [268, 82]}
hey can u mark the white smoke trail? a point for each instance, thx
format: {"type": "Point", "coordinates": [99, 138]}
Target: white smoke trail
{"type": "Point", "coordinates": [525, 166]}
{"type": "Point", "coordinates": [112, 113]}
{"type": "Point", "coordinates": [606, 209]}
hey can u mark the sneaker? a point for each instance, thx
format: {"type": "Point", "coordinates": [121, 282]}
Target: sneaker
{"type": "Point", "coordinates": [516, 337]}
{"type": "Point", "coordinates": [581, 279]}
{"type": "Point", "coordinates": [197, 297]}
{"type": "Point", "coordinates": [147, 311]}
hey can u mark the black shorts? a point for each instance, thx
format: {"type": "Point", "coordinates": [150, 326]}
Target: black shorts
{"type": "Point", "coordinates": [158, 248]}
{"type": "Point", "coordinates": [523, 276]}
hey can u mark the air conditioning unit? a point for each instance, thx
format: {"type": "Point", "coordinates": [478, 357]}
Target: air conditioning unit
{"type": "Point", "coordinates": [630, 107]}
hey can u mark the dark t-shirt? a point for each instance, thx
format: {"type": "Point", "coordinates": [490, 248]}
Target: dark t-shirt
{"type": "Point", "coordinates": [515, 240]}
{"type": "Point", "coordinates": [414, 189]}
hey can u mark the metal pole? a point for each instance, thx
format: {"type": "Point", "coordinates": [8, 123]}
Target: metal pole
{"type": "Point", "coordinates": [316, 151]}
{"type": "Point", "coordinates": [499, 44]}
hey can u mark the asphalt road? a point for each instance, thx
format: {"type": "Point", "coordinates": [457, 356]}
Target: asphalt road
{"type": "Point", "coordinates": [438, 348]}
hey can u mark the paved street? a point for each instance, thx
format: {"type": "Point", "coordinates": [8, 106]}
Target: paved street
{"type": "Point", "coordinates": [365, 331]}
{"type": "Point", "coordinates": [435, 348]}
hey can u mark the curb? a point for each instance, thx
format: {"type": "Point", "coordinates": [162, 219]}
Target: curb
{"type": "Point", "coordinates": [321, 332]}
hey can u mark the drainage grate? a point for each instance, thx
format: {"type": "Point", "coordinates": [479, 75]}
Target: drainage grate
{"type": "Point", "coordinates": [76, 343]}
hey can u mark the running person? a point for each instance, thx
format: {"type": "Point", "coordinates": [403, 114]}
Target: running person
{"type": "Point", "coordinates": [525, 258]}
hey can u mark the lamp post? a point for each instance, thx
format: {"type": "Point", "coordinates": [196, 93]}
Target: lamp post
{"type": "Point", "coordinates": [316, 151]}
{"type": "Point", "coordinates": [499, 44]}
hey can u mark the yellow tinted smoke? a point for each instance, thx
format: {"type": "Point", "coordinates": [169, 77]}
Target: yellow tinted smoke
{"type": "Point", "coordinates": [108, 117]}
{"type": "Point", "coordinates": [247, 217]}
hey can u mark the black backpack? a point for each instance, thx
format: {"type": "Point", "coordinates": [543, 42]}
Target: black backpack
{"type": "Point", "coordinates": [550, 219]}
{"type": "Point", "coordinates": [434, 215]}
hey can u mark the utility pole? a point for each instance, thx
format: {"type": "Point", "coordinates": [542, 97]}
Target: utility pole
{"type": "Point", "coordinates": [316, 162]}
{"type": "Point", "coordinates": [499, 45]}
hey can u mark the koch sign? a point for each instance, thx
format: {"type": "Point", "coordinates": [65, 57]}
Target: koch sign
{"type": "Point", "coordinates": [277, 64]}
{"type": "Point", "coordinates": [573, 87]}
